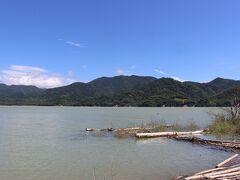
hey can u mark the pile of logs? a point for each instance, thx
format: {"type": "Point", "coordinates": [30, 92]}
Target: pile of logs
{"type": "Point", "coordinates": [190, 136]}
{"type": "Point", "coordinates": [196, 140]}
{"type": "Point", "coordinates": [227, 170]}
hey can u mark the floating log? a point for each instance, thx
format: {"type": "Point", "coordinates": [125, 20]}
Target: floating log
{"type": "Point", "coordinates": [133, 129]}
{"type": "Point", "coordinates": [141, 129]}
{"type": "Point", "coordinates": [215, 174]}
{"type": "Point", "coordinates": [210, 170]}
{"type": "Point", "coordinates": [235, 174]}
{"type": "Point", "coordinates": [119, 129]}
{"type": "Point", "coordinates": [90, 129]}
{"type": "Point", "coordinates": [227, 160]}
{"type": "Point", "coordinates": [93, 129]}
{"type": "Point", "coordinates": [166, 134]}
{"type": "Point", "coordinates": [225, 172]}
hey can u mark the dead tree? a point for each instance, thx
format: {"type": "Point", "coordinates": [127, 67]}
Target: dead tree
{"type": "Point", "coordinates": [233, 112]}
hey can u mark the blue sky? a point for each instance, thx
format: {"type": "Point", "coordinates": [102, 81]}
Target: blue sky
{"type": "Point", "coordinates": [51, 43]}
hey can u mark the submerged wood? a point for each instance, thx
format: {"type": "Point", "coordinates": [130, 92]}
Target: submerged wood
{"type": "Point", "coordinates": [166, 134]}
{"type": "Point", "coordinates": [224, 172]}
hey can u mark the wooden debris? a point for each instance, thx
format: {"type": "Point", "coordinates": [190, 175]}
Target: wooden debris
{"type": "Point", "coordinates": [196, 140]}
{"type": "Point", "coordinates": [90, 129]}
{"type": "Point", "coordinates": [227, 161]}
{"type": "Point", "coordinates": [122, 132]}
{"type": "Point", "coordinates": [224, 172]}
{"type": "Point", "coordinates": [119, 129]}
{"type": "Point", "coordinates": [93, 129]}
{"type": "Point", "coordinates": [166, 134]}
{"type": "Point", "coordinates": [210, 170]}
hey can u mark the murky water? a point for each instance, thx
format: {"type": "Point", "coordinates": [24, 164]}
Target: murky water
{"type": "Point", "coordinates": [47, 143]}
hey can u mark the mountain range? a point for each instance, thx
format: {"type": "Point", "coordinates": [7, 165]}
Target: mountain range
{"type": "Point", "coordinates": [125, 91]}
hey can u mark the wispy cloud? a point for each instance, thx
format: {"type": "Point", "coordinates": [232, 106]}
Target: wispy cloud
{"type": "Point", "coordinates": [29, 75]}
{"type": "Point", "coordinates": [27, 68]}
{"type": "Point", "coordinates": [83, 66]}
{"type": "Point", "coordinates": [168, 75]}
{"type": "Point", "coordinates": [75, 44]}
{"type": "Point", "coordinates": [127, 72]}
{"type": "Point", "coordinates": [72, 43]}
{"type": "Point", "coordinates": [160, 72]}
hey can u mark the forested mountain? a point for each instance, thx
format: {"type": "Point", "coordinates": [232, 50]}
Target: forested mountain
{"type": "Point", "coordinates": [18, 90]}
{"type": "Point", "coordinates": [110, 86]}
{"type": "Point", "coordinates": [126, 91]}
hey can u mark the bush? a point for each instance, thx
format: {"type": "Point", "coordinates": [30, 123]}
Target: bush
{"type": "Point", "coordinates": [223, 124]}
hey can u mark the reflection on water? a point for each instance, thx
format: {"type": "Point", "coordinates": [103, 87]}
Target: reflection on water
{"type": "Point", "coordinates": [43, 143]}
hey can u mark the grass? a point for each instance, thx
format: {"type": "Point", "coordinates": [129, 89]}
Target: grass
{"type": "Point", "coordinates": [223, 125]}
{"type": "Point", "coordinates": [190, 126]}
{"type": "Point", "coordinates": [157, 126]}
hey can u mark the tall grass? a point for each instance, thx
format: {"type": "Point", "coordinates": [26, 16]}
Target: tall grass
{"type": "Point", "coordinates": [225, 125]}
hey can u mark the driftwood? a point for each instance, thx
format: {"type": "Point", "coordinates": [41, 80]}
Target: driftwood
{"type": "Point", "coordinates": [225, 172]}
{"type": "Point", "coordinates": [166, 134]}
{"type": "Point", "coordinates": [150, 129]}
{"type": "Point", "coordinates": [123, 132]}
{"type": "Point", "coordinates": [196, 140]}
{"type": "Point", "coordinates": [126, 132]}
{"type": "Point", "coordinates": [93, 129]}
{"type": "Point", "coordinates": [227, 161]}
{"type": "Point", "coordinates": [119, 129]}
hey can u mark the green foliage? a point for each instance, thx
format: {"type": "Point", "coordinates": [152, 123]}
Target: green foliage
{"type": "Point", "coordinates": [223, 125]}
{"type": "Point", "coordinates": [125, 91]}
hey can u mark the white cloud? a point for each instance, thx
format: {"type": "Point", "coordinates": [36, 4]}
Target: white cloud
{"type": "Point", "coordinates": [120, 71]}
{"type": "Point", "coordinates": [168, 75]}
{"type": "Point", "coordinates": [28, 75]}
{"type": "Point", "coordinates": [75, 44]}
{"type": "Point", "coordinates": [26, 68]}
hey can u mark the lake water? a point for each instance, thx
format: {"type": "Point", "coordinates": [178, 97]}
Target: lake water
{"type": "Point", "coordinates": [49, 143]}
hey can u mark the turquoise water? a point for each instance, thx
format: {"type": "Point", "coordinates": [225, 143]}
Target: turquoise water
{"type": "Point", "coordinates": [49, 143]}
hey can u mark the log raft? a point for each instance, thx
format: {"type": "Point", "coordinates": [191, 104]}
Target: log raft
{"type": "Point", "coordinates": [227, 170]}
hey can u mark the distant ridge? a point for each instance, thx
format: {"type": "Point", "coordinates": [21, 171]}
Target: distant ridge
{"type": "Point", "coordinates": [125, 91]}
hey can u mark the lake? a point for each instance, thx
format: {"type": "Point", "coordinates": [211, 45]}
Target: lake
{"type": "Point", "coordinates": [49, 143]}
